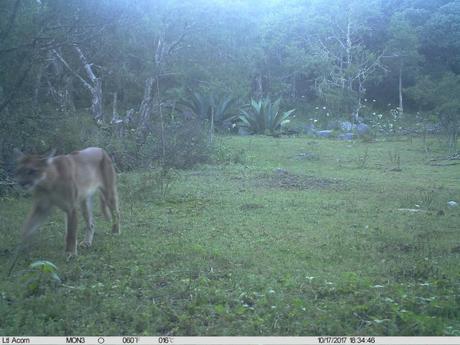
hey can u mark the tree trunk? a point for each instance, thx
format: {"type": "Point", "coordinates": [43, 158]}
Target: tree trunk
{"type": "Point", "coordinates": [94, 86]}
{"type": "Point", "coordinates": [145, 109]}
{"type": "Point", "coordinates": [258, 90]}
{"type": "Point", "coordinates": [37, 86]}
{"type": "Point", "coordinates": [400, 89]}
{"type": "Point", "coordinates": [96, 89]}
{"type": "Point", "coordinates": [211, 131]}
{"type": "Point", "coordinates": [162, 123]}
{"type": "Point", "coordinates": [115, 116]}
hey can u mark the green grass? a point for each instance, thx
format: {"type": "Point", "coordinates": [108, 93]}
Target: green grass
{"type": "Point", "coordinates": [318, 246]}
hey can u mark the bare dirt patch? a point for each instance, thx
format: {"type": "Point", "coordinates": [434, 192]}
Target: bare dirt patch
{"type": "Point", "coordinates": [291, 181]}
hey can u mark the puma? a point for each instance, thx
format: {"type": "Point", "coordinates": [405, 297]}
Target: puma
{"type": "Point", "coordinates": [68, 182]}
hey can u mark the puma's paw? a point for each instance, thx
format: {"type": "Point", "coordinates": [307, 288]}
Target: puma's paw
{"type": "Point", "coordinates": [70, 256]}
{"type": "Point", "coordinates": [85, 244]}
{"type": "Point", "coordinates": [116, 229]}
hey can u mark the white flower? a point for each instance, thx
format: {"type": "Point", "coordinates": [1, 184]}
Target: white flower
{"type": "Point", "coordinates": [271, 291]}
{"type": "Point", "coordinates": [316, 108]}
{"type": "Point", "coordinates": [324, 108]}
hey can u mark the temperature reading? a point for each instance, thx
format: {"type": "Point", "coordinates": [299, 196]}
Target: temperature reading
{"type": "Point", "coordinates": [165, 340]}
{"type": "Point", "coordinates": [130, 340]}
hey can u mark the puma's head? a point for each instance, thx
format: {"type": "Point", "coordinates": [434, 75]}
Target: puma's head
{"type": "Point", "coordinates": [30, 169]}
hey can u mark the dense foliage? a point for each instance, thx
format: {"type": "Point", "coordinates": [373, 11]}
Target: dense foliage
{"type": "Point", "coordinates": [74, 66]}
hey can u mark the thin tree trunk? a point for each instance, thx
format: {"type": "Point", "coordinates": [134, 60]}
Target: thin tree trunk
{"type": "Point", "coordinates": [211, 131]}
{"type": "Point", "coordinates": [162, 124]}
{"type": "Point", "coordinates": [96, 89]}
{"type": "Point", "coordinates": [145, 110]}
{"type": "Point", "coordinates": [38, 82]}
{"type": "Point", "coordinates": [400, 89]}
{"type": "Point", "coordinates": [258, 87]}
{"type": "Point", "coordinates": [293, 87]}
{"type": "Point", "coordinates": [114, 108]}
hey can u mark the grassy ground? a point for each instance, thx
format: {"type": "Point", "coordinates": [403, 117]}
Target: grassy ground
{"type": "Point", "coordinates": [302, 237]}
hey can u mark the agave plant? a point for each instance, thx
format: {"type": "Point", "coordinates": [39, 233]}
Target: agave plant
{"type": "Point", "coordinates": [264, 117]}
{"type": "Point", "coordinates": [212, 107]}
{"type": "Point", "coordinates": [221, 109]}
{"type": "Point", "coordinates": [199, 104]}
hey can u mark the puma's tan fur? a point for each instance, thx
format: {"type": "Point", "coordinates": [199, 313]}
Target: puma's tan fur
{"type": "Point", "coordinates": [68, 182]}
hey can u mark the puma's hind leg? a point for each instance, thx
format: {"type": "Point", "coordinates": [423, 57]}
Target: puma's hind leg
{"type": "Point", "coordinates": [71, 235]}
{"type": "Point", "coordinates": [87, 211]}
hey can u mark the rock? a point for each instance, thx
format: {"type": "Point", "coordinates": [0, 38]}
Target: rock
{"type": "Point", "coordinates": [455, 249]}
{"type": "Point", "coordinates": [346, 126]}
{"type": "Point", "coordinates": [333, 124]}
{"type": "Point", "coordinates": [292, 131]}
{"type": "Point", "coordinates": [452, 203]}
{"type": "Point", "coordinates": [308, 156]}
{"type": "Point", "coordinates": [362, 129]}
{"type": "Point", "coordinates": [433, 128]}
{"type": "Point", "coordinates": [280, 171]}
{"type": "Point", "coordinates": [346, 136]}
{"type": "Point", "coordinates": [243, 131]}
{"type": "Point", "coordinates": [309, 129]}
{"type": "Point", "coordinates": [325, 133]}
{"type": "Point", "coordinates": [411, 210]}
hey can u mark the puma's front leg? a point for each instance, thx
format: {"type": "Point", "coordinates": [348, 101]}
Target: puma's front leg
{"type": "Point", "coordinates": [37, 217]}
{"type": "Point", "coordinates": [86, 209]}
{"type": "Point", "coordinates": [71, 235]}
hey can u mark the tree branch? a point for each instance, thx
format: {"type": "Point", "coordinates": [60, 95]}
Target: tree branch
{"type": "Point", "coordinates": [11, 21]}
{"type": "Point", "coordinates": [85, 83]}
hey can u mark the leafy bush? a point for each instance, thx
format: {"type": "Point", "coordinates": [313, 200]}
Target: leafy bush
{"type": "Point", "coordinates": [41, 274]}
{"type": "Point", "coordinates": [223, 154]}
{"type": "Point", "coordinates": [185, 145]}
{"type": "Point", "coordinates": [264, 117]}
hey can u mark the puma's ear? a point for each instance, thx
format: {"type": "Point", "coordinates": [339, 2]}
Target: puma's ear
{"type": "Point", "coordinates": [18, 154]}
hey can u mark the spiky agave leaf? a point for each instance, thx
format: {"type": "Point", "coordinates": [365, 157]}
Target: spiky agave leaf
{"type": "Point", "coordinates": [280, 119]}
{"type": "Point", "coordinates": [222, 108]}
{"type": "Point", "coordinates": [249, 121]}
{"type": "Point", "coordinates": [198, 103]}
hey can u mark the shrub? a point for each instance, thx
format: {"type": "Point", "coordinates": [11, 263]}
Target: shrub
{"type": "Point", "coordinates": [41, 274]}
{"type": "Point", "coordinates": [264, 117]}
{"type": "Point", "coordinates": [185, 145]}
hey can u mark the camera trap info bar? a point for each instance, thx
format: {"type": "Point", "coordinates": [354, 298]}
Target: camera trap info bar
{"type": "Point", "coordinates": [145, 340]}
